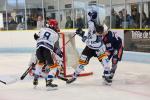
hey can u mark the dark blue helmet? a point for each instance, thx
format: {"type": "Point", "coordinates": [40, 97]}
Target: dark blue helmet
{"type": "Point", "coordinates": [93, 14]}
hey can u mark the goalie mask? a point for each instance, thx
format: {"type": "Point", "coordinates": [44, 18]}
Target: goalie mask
{"type": "Point", "coordinates": [53, 24]}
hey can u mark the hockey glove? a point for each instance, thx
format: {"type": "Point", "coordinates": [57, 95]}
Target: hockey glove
{"type": "Point", "coordinates": [80, 32]}
{"type": "Point", "coordinates": [36, 36]}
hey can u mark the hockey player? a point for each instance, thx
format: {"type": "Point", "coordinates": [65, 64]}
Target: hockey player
{"type": "Point", "coordinates": [94, 47]}
{"type": "Point", "coordinates": [46, 40]}
{"type": "Point", "coordinates": [114, 48]}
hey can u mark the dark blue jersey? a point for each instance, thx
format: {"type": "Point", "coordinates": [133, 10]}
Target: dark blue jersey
{"type": "Point", "coordinates": [112, 41]}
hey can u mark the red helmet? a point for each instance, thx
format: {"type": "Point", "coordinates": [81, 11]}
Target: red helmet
{"type": "Point", "coordinates": [53, 24]}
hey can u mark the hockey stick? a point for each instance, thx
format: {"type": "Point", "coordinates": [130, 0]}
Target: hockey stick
{"type": "Point", "coordinates": [62, 78]}
{"type": "Point", "coordinates": [25, 73]}
{"type": "Point", "coordinates": [12, 80]}
{"type": "Point", "coordinates": [3, 82]}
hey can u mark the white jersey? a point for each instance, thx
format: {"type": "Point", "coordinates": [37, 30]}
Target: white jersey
{"type": "Point", "coordinates": [93, 41]}
{"type": "Point", "coordinates": [47, 38]}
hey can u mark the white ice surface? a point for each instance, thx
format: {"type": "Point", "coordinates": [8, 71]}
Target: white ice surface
{"type": "Point", "coordinates": [131, 82]}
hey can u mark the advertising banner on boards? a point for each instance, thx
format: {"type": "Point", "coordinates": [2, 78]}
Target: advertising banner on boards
{"type": "Point", "coordinates": [137, 40]}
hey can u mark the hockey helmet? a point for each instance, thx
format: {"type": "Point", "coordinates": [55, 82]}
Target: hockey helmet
{"type": "Point", "coordinates": [102, 29]}
{"type": "Point", "coordinates": [52, 23]}
{"type": "Point", "coordinates": [99, 29]}
{"type": "Point", "coordinates": [92, 14]}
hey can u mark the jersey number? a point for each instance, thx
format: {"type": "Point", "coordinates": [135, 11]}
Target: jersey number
{"type": "Point", "coordinates": [46, 35]}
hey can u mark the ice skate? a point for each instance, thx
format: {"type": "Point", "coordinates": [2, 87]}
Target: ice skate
{"type": "Point", "coordinates": [51, 86]}
{"type": "Point", "coordinates": [74, 77]}
{"type": "Point", "coordinates": [113, 70]}
{"type": "Point", "coordinates": [107, 80]}
{"type": "Point", "coordinates": [35, 81]}
{"type": "Point", "coordinates": [111, 76]}
{"type": "Point", "coordinates": [69, 81]}
{"type": "Point", "coordinates": [106, 77]}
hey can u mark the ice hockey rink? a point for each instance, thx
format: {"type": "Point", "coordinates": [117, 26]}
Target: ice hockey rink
{"type": "Point", "coordinates": [131, 82]}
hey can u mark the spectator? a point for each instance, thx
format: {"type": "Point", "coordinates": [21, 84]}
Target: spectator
{"type": "Point", "coordinates": [79, 22]}
{"type": "Point", "coordinates": [40, 22]}
{"type": "Point", "coordinates": [11, 23]}
{"type": "Point", "coordinates": [120, 19]}
{"type": "Point", "coordinates": [20, 26]}
{"type": "Point", "coordinates": [148, 21]}
{"type": "Point", "coordinates": [136, 18]}
{"type": "Point", "coordinates": [127, 19]}
{"type": "Point", "coordinates": [115, 19]}
{"type": "Point", "coordinates": [144, 20]}
{"type": "Point", "coordinates": [31, 22]}
{"type": "Point", "coordinates": [69, 22]}
{"type": "Point", "coordinates": [46, 20]}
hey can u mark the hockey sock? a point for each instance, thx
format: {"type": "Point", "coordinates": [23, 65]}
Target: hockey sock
{"type": "Point", "coordinates": [78, 70]}
{"type": "Point", "coordinates": [38, 70]}
{"type": "Point", "coordinates": [114, 67]}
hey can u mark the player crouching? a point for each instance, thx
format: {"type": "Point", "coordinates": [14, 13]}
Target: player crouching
{"type": "Point", "coordinates": [46, 39]}
{"type": "Point", "coordinates": [114, 49]}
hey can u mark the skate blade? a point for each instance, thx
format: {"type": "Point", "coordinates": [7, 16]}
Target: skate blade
{"type": "Point", "coordinates": [51, 88]}
{"type": "Point", "coordinates": [35, 87]}
{"type": "Point", "coordinates": [70, 81]}
{"type": "Point", "coordinates": [106, 83]}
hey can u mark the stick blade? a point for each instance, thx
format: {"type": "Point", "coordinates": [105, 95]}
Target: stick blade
{"type": "Point", "coordinates": [8, 79]}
